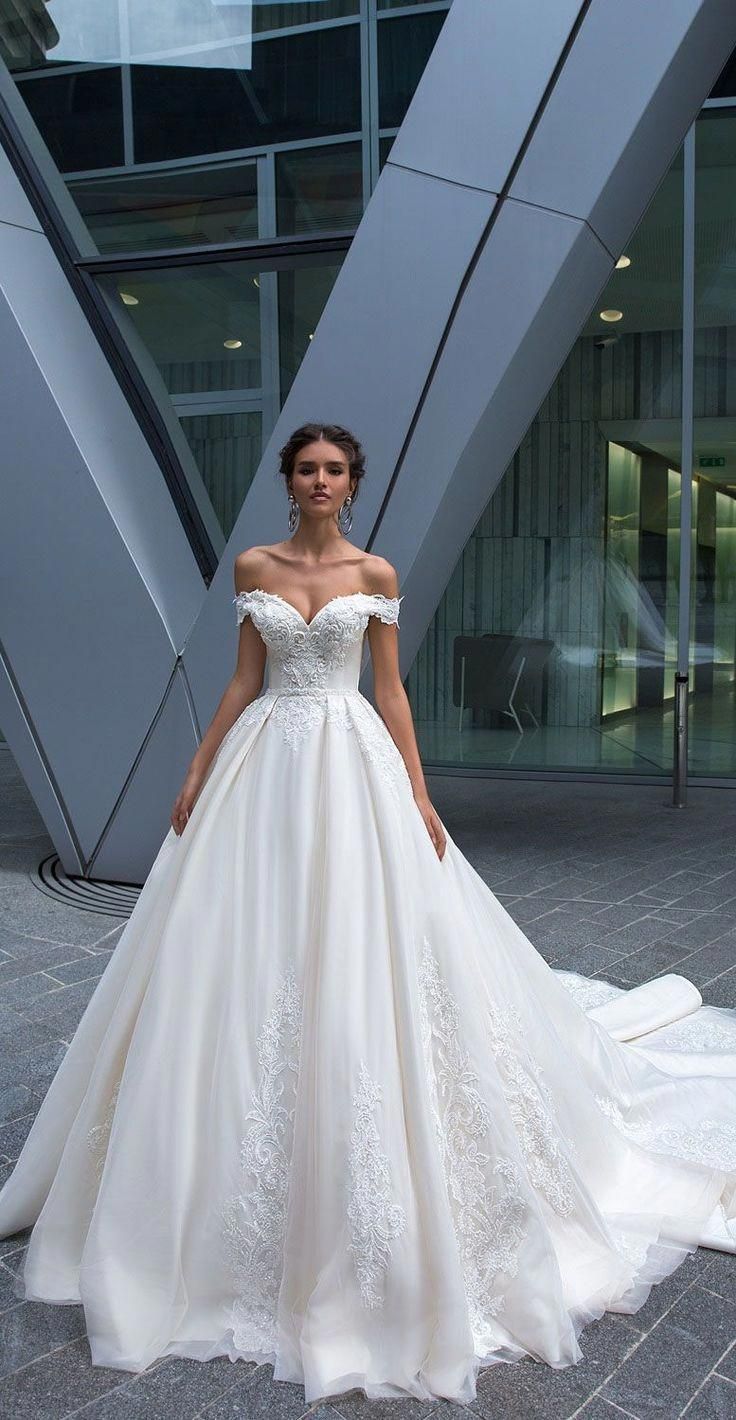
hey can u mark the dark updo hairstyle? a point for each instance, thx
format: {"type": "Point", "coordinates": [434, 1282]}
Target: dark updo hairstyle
{"type": "Point", "coordinates": [333, 434]}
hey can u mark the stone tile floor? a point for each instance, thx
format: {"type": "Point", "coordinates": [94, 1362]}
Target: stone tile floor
{"type": "Point", "coordinates": [606, 879]}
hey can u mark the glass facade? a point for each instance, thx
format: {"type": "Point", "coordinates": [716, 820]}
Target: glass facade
{"type": "Point", "coordinates": [712, 745]}
{"type": "Point", "coordinates": [554, 647]}
{"type": "Point", "coordinates": [220, 176]}
{"type": "Point", "coordinates": [174, 131]}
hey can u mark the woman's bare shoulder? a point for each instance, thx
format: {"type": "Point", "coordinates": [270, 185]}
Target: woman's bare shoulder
{"type": "Point", "coordinates": [251, 564]}
{"type": "Point", "coordinates": [380, 575]}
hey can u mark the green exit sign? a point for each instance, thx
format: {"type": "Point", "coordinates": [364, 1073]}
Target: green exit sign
{"type": "Point", "coordinates": [712, 461]}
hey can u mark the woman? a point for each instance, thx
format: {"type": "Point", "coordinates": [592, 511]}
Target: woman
{"type": "Point", "coordinates": [327, 1106]}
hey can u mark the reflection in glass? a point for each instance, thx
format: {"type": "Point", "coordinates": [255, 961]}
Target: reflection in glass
{"type": "Point", "coordinates": [405, 43]}
{"type": "Point", "coordinates": [553, 646]}
{"type": "Point", "coordinates": [79, 116]}
{"type": "Point", "coordinates": [641, 584]}
{"type": "Point", "coordinates": [227, 450]}
{"type": "Point", "coordinates": [303, 294]}
{"type": "Point", "coordinates": [227, 339]}
{"type": "Point", "coordinates": [275, 16]}
{"type": "Point", "coordinates": [201, 325]}
{"type": "Point", "coordinates": [193, 32]}
{"type": "Point", "coordinates": [385, 145]}
{"type": "Point", "coordinates": [201, 204]}
{"type": "Point", "coordinates": [187, 32]}
{"type": "Point", "coordinates": [34, 33]}
{"type": "Point", "coordinates": [712, 718]}
{"type": "Point", "coordinates": [725, 85]}
{"type": "Point", "coordinates": [300, 85]}
{"type": "Point", "coordinates": [319, 189]}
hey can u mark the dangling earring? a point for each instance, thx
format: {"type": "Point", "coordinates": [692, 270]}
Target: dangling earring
{"type": "Point", "coordinates": [348, 523]}
{"type": "Point", "coordinates": [293, 512]}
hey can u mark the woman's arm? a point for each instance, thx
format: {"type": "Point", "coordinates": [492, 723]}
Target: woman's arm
{"type": "Point", "coordinates": [243, 687]}
{"type": "Point", "coordinates": [392, 701]}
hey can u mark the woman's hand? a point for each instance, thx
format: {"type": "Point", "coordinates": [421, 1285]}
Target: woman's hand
{"type": "Point", "coordinates": [185, 801]}
{"type": "Point", "coordinates": [431, 819]}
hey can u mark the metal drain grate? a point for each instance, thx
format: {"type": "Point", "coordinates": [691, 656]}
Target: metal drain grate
{"type": "Point", "coordinates": [108, 899]}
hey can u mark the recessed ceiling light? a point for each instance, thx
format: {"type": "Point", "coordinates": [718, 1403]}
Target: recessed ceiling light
{"type": "Point", "coordinates": [127, 299]}
{"type": "Point", "coordinates": [622, 262]}
{"type": "Point", "coordinates": [311, 335]}
{"type": "Point", "coordinates": [611, 315]}
{"type": "Point", "coordinates": [232, 344]}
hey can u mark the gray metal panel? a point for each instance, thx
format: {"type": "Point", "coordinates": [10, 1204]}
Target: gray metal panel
{"type": "Point", "coordinates": [135, 832]}
{"type": "Point", "coordinates": [630, 87]}
{"type": "Point", "coordinates": [480, 87]}
{"type": "Point", "coordinates": [29, 757]}
{"type": "Point", "coordinates": [14, 205]}
{"type": "Point", "coordinates": [69, 372]}
{"type": "Point", "coordinates": [98, 584]}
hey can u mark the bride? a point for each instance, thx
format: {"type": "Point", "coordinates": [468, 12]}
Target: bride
{"type": "Point", "coordinates": [327, 1107]}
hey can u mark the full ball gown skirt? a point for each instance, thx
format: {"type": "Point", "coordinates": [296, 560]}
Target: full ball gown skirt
{"type": "Point", "coordinates": [327, 1107]}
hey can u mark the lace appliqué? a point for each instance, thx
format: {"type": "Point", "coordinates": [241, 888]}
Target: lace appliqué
{"type": "Point", "coordinates": [305, 656]}
{"type": "Point", "coordinates": [698, 1035]}
{"type": "Point", "coordinates": [253, 714]}
{"type": "Point", "coordinates": [633, 1249]}
{"type": "Point", "coordinates": [380, 749]}
{"type": "Point", "coordinates": [489, 1217]}
{"type": "Point", "coordinates": [532, 1110]}
{"type": "Point", "coordinates": [709, 1142]}
{"type": "Point", "coordinates": [255, 1218]}
{"type": "Point", "coordinates": [586, 992]}
{"type": "Point", "coordinates": [374, 1219]}
{"type": "Point", "coordinates": [307, 653]}
{"type": "Point", "coordinates": [99, 1135]}
{"type": "Point", "coordinates": [300, 716]}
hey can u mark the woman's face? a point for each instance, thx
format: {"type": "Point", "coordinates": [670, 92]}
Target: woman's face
{"type": "Point", "coordinates": [320, 480]}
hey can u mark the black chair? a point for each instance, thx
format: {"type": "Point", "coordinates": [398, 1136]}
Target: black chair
{"type": "Point", "coordinates": [493, 672]}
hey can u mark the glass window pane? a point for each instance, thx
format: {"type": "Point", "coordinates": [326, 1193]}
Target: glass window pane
{"type": "Point", "coordinates": [725, 85]}
{"type": "Point", "coordinates": [384, 148]}
{"type": "Point", "coordinates": [184, 318]}
{"type": "Point", "coordinates": [269, 16]}
{"type": "Point", "coordinates": [192, 206]}
{"type": "Point", "coordinates": [303, 294]}
{"type": "Point", "coordinates": [319, 189]}
{"type": "Point", "coordinates": [712, 716]}
{"type": "Point", "coordinates": [79, 115]}
{"type": "Point", "coordinates": [405, 43]}
{"type": "Point", "coordinates": [304, 85]}
{"type": "Point", "coordinates": [227, 449]}
{"type": "Point", "coordinates": [554, 644]}
{"type": "Point", "coordinates": [223, 335]}
{"type": "Point", "coordinates": [400, 4]}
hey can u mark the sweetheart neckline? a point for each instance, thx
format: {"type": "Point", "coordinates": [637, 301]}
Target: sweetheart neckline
{"type": "Point", "coordinates": [340, 596]}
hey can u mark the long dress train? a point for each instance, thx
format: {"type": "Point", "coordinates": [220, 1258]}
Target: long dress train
{"type": "Point", "coordinates": [327, 1107]}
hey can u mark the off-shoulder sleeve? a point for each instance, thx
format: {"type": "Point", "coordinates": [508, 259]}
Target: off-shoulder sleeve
{"type": "Point", "coordinates": [242, 605]}
{"type": "Point", "coordinates": [386, 608]}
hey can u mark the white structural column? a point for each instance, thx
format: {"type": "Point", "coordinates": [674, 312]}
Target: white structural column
{"type": "Point", "coordinates": [536, 137]}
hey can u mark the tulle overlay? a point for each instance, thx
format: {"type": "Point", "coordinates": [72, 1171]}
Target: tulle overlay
{"type": "Point", "coordinates": [327, 1106]}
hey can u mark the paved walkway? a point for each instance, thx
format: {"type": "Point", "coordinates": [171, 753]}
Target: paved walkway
{"type": "Point", "coordinates": [606, 879]}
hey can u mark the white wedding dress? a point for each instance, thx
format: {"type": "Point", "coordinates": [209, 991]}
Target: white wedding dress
{"type": "Point", "coordinates": [327, 1107]}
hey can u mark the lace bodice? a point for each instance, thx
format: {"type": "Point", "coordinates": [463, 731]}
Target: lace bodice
{"type": "Point", "coordinates": [322, 654]}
